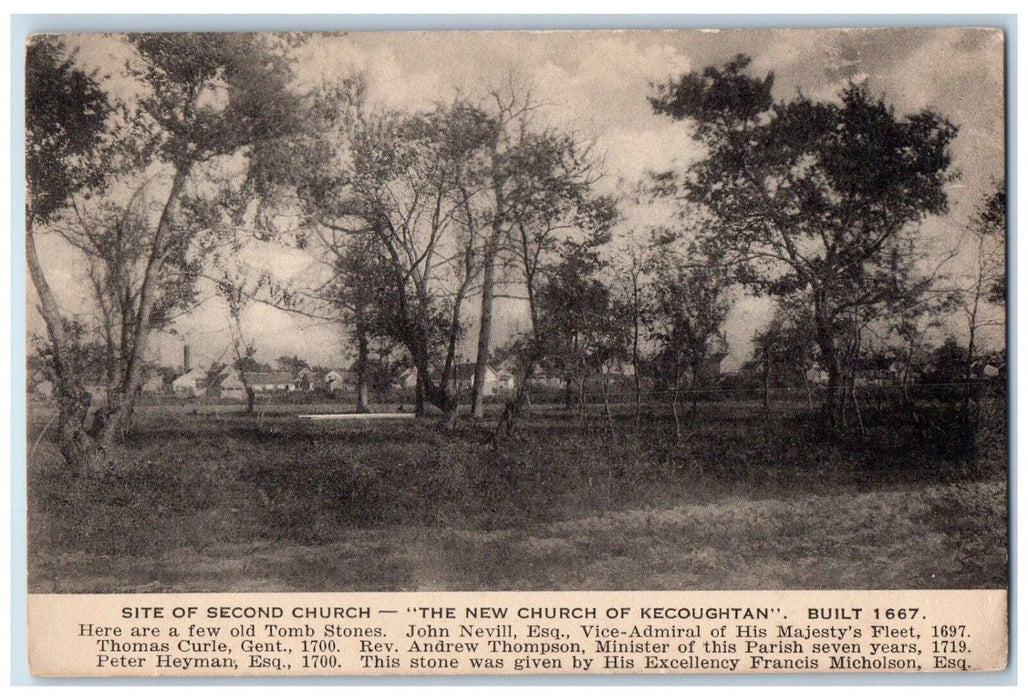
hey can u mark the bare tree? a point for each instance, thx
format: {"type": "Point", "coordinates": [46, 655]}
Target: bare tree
{"type": "Point", "coordinates": [786, 346]}
{"type": "Point", "coordinates": [631, 286]}
{"type": "Point", "coordinates": [555, 206]}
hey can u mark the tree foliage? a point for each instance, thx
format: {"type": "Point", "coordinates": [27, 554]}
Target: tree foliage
{"type": "Point", "coordinates": [584, 328]}
{"type": "Point", "coordinates": [804, 195]}
{"type": "Point", "coordinates": [393, 189]}
{"type": "Point", "coordinates": [66, 127]}
{"type": "Point", "coordinates": [205, 99]}
{"type": "Point", "coordinates": [989, 229]}
{"type": "Point", "coordinates": [690, 303]}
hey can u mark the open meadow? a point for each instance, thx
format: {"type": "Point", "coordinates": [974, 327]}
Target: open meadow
{"type": "Point", "coordinates": [218, 501]}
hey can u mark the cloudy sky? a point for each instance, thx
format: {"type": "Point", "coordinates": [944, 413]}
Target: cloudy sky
{"type": "Point", "coordinates": [596, 83]}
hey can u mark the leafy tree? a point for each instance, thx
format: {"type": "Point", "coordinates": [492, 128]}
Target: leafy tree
{"type": "Point", "coordinates": [360, 292]}
{"type": "Point", "coordinates": [396, 188]}
{"type": "Point", "coordinates": [785, 350]}
{"type": "Point", "coordinates": [67, 117]}
{"type": "Point", "coordinates": [910, 325]}
{"type": "Point", "coordinates": [947, 367]}
{"type": "Point", "coordinates": [311, 176]}
{"type": "Point", "coordinates": [583, 327]}
{"type": "Point", "coordinates": [66, 124]}
{"type": "Point", "coordinates": [412, 213]}
{"type": "Point", "coordinates": [553, 209]}
{"type": "Point", "coordinates": [820, 197]}
{"type": "Point", "coordinates": [986, 285]}
{"type": "Point", "coordinates": [992, 221]}
{"type": "Point", "coordinates": [528, 172]}
{"type": "Point", "coordinates": [987, 282]}
{"type": "Point", "coordinates": [206, 99]}
{"type": "Point", "coordinates": [631, 288]}
{"type": "Point", "coordinates": [292, 364]}
{"type": "Point", "coordinates": [688, 309]}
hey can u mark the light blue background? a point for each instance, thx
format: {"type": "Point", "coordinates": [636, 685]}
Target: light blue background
{"type": "Point", "coordinates": [23, 25]}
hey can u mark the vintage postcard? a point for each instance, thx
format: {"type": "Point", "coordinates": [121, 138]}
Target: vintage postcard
{"type": "Point", "coordinates": [516, 352]}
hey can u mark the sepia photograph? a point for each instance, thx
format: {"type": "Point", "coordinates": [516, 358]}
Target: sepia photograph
{"type": "Point", "coordinates": [646, 310]}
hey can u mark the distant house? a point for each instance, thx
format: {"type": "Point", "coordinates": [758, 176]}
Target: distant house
{"type": "Point", "coordinates": [511, 364]}
{"type": "Point", "coordinates": [546, 376]}
{"type": "Point", "coordinates": [505, 380]}
{"type": "Point", "coordinates": [232, 387]}
{"type": "Point", "coordinates": [547, 380]}
{"type": "Point", "coordinates": [267, 382]}
{"type": "Point", "coordinates": [495, 382]}
{"type": "Point", "coordinates": [339, 380]}
{"type": "Point", "coordinates": [817, 376]}
{"type": "Point", "coordinates": [875, 371]}
{"type": "Point", "coordinates": [305, 379]}
{"type": "Point", "coordinates": [408, 379]}
{"type": "Point", "coordinates": [618, 368]}
{"type": "Point", "coordinates": [190, 384]}
{"type": "Point", "coordinates": [154, 385]}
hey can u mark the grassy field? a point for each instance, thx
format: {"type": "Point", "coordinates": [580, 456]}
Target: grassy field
{"type": "Point", "coordinates": [216, 501]}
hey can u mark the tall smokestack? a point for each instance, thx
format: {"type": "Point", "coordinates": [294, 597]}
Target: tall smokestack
{"type": "Point", "coordinates": [186, 365]}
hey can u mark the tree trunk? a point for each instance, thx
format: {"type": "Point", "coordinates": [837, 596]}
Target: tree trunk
{"type": "Point", "coordinates": [485, 326]}
{"type": "Point", "coordinates": [674, 413]}
{"type": "Point", "coordinates": [419, 396]}
{"type": "Point", "coordinates": [513, 408]}
{"type": "Point", "coordinates": [968, 427]}
{"type": "Point", "coordinates": [635, 349]}
{"type": "Point", "coordinates": [111, 421]}
{"type": "Point", "coordinates": [439, 395]}
{"type": "Point", "coordinates": [362, 371]}
{"type": "Point", "coordinates": [834, 404]}
{"type": "Point", "coordinates": [695, 393]}
{"type": "Point", "coordinates": [80, 449]}
{"type": "Point", "coordinates": [832, 414]}
{"type": "Point", "coordinates": [133, 378]}
{"type": "Point", "coordinates": [508, 421]}
{"type": "Point", "coordinates": [450, 416]}
{"type": "Point", "coordinates": [767, 384]}
{"type": "Point", "coordinates": [606, 404]}
{"type": "Point", "coordinates": [362, 396]}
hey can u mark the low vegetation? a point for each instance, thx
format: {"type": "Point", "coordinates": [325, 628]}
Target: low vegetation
{"type": "Point", "coordinates": [219, 501]}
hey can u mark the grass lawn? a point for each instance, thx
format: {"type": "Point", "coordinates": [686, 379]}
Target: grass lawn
{"type": "Point", "coordinates": [223, 502]}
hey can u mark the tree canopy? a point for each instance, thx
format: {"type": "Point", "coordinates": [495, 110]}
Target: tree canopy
{"type": "Point", "coordinates": [66, 120]}
{"type": "Point", "coordinates": [819, 197]}
{"type": "Point", "coordinates": [204, 97]}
